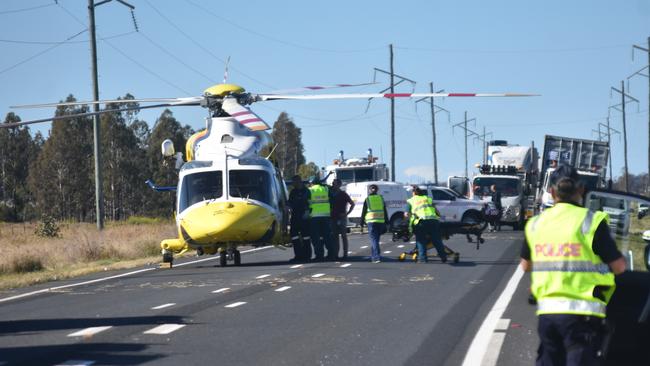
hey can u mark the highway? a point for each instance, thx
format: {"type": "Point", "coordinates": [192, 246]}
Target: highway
{"type": "Point", "coordinates": [272, 312]}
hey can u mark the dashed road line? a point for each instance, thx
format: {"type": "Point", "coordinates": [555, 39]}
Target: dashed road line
{"type": "Point", "coordinates": [221, 290]}
{"type": "Point", "coordinates": [283, 288]}
{"type": "Point", "coordinates": [318, 275]}
{"type": "Point", "coordinates": [263, 276]}
{"type": "Point", "coordinates": [346, 265]}
{"type": "Point", "coordinates": [235, 304]}
{"type": "Point", "coordinates": [364, 247]}
{"type": "Point", "coordinates": [163, 306]}
{"type": "Point", "coordinates": [296, 266]}
{"type": "Point", "coordinates": [164, 329]}
{"type": "Point", "coordinates": [70, 363]}
{"type": "Point", "coordinates": [89, 331]}
{"type": "Point", "coordinates": [387, 251]}
{"type": "Point", "coordinates": [401, 246]}
{"type": "Point", "coordinates": [412, 242]}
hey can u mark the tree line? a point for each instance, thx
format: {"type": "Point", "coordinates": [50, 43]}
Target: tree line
{"type": "Point", "coordinates": [54, 175]}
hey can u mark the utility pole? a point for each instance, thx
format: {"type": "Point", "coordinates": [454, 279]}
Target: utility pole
{"type": "Point", "coordinates": [433, 127]}
{"type": "Point", "coordinates": [484, 140]}
{"type": "Point", "coordinates": [99, 196]}
{"type": "Point", "coordinates": [468, 132]}
{"type": "Point", "coordinates": [623, 102]}
{"type": "Point", "coordinates": [647, 50]}
{"type": "Point", "coordinates": [608, 134]}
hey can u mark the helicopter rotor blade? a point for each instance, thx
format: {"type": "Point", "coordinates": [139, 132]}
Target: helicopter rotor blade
{"type": "Point", "coordinates": [315, 87]}
{"type": "Point", "coordinates": [71, 116]}
{"type": "Point", "coordinates": [171, 101]}
{"type": "Point", "coordinates": [265, 97]}
{"type": "Point", "coordinates": [243, 115]}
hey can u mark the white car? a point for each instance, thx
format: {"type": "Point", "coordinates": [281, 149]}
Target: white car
{"type": "Point", "coordinates": [453, 207]}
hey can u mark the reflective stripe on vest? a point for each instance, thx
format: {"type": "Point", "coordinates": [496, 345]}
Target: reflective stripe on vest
{"type": "Point", "coordinates": [375, 209]}
{"type": "Point", "coordinates": [319, 201]}
{"type": "Point", "coordinates": [565, 269]}
{"type": "Point", "coordinates": [422, 208]}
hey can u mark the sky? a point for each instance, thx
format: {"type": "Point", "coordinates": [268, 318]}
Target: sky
{"type": "Point", "coordinates": [569, 52]}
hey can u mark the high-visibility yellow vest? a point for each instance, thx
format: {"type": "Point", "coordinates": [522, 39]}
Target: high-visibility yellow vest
{"type": "Point", "coordinates": [422, 208]}
{"type": "Point", "coordinates": [319, 202]}
{"type": "Point", "coordinates": [565, 269]}
{"type": "Point", "coordinates": [375, 209]}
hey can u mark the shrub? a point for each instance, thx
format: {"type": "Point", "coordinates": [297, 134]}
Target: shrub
{"type": "Point", "coordinates": [47, 227]}
{"type": "Point", "coordinates": [26, 264]}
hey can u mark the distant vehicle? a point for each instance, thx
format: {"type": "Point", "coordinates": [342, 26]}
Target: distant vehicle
{"type": "Point", "coordinates": [453, 207]}
{"type": "Point", "coordinates": [395, 196]}
{"type": "Point", "coordinates": [513, 170]}
{"type": "Point", "coordinates": [589, 157]}
{"type": "Point", "coordinates": [355, 170]}
{"type": "Point", "coordinates": [460, 185]}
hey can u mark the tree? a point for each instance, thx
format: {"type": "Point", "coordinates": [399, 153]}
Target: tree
{"type": "Point", "coordinates": [308, 170]}
{"type": "Point", "coordinates": [289, 151]}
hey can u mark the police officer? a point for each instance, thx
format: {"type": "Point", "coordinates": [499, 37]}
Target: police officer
{"type": "Point", "coordinates": [321, 224]}
{"type": "Point", "coordinates": [424, 219]}
{"type": "Point", "coordinates": [374, 215]}
{"type": "Point", "coordinates": [573, 260]}
{"type": "Point", "coordinates": [299, 230]}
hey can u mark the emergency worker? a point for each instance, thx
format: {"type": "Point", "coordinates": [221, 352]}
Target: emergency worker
{"type": "Point", "coordinates": [573, 259]}
{"type": "Point", "coordinates": [424, 219]}
{"type": "Point", "coordinates": [321, 224]}
{"type": "Point", "coordinates": [374, 214]}
{"type": "Point", "coordinates": [300, 229]}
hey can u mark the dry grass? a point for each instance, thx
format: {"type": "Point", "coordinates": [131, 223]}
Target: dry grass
{"type": "Point", "coordinates": [81, 249]}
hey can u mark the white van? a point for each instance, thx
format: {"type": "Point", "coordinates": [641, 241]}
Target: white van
{"type": "Point", "coordinates": [394, 194]}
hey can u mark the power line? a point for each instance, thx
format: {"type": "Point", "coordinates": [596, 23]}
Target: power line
{"type": "Point", "coordinates": [492, 51]}
{"type": "Point", "coordinates": [26, 9]}
{"type": "Point", "coordinates": [17, 41]}
{"type": "Point", "coordinates": [42, 52]}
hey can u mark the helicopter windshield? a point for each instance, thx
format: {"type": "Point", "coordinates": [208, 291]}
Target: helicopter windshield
{"type": "Point", "coordinates": [199, 187]}
{"type": "Point", "coordinates": [252, 184]}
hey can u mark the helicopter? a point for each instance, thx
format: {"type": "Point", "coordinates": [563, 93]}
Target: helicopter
{"type": "Point", "coordinates": [228, 195]}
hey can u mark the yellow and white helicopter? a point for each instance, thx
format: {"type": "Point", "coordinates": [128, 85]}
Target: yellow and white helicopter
{"type": "Point", "coordinates": [227, 194]}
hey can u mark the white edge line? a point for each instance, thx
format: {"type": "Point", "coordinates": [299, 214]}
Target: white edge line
{"type": "Point", "coordinates": [479, 346]}
{"type": "Point", "coordinates": [114, 277]}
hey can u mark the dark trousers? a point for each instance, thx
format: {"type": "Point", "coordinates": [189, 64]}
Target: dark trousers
{"type": "Point", "coordinates": [340, 228]}
{"type": "Point", "coordinates": [425, 230]}
{"type": "Point", "coordinates": [570, 340]}
{"type": "Point", "coordinates": [300, 232]}
{"type": "Point", "coordinates": [321, 237]}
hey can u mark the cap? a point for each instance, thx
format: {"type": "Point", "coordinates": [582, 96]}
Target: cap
{"type": "Point", "coordinates": [564, 171]}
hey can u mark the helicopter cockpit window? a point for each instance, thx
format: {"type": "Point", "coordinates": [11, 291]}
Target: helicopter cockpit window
{"type": "Point", "coordinates": [252, 184]}
{"type": "Point", "coordinates": [199, 187]}
{"type": "Point", "coordinates": [226, 138]}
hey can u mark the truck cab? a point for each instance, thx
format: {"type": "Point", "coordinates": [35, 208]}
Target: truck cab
{"type": "Point", "coordinates": [512, 196]}
{"type": "Point", "coordinates": [355, 170]}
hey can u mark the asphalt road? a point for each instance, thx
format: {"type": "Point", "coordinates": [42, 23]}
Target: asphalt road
{"type": "Point", "coordinates": [271, 312]}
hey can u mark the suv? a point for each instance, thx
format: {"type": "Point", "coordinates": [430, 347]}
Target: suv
{"type": "Point", "coordinates": [453, 207]}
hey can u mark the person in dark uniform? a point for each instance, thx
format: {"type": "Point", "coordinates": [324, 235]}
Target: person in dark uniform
{"type": "Point", "coordinates": [342, 205]}
{"type": "Point", "coordinates": [299, 224]}
{"type": "Point", "coordinates": [496, 199]}
{"type": "Point", "coordinates": [573, 259]}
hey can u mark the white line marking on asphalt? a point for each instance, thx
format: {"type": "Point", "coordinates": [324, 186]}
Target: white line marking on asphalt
{"type": "Point", "coordinates": [221, 290]}
{"type": "Point", "coordinates": [479, 348]}
{"type": "Point", "coordinates": [387, 252]}
{"type": "Point", "coordinates": [117, 276]}
{"type": "Point", "coordinates": [401, 246]}
{"type": "Point", "coordinates": [296, 266]}
{"type": "Point", "coordinates": [496, 341]}
{"type": "Point", "coordinates": [412, 242]}
{"type": "Point", "coordinates": [69, 363]}
{"type": "Point", "coordinates": [350, 252]}
{"type": "Point", "coordinates": [235, 304]}
{"type": "Point", "coordinates": [164, 329]}
{"type": "Point", "coordinates": [346, 265]}
{"type": "Point", "coordinates": [163, 306]}
{"type": "Point", "coordinates": [502, 324]}
{"type": "Point", "coordinates": [262, 276]}
{"type": "Point", "coordinates": [318, 275]}
{"type": "Point", "coordinates": [282, 289]}
{"type": "Point", "coordinates": [364, 247]}
{"type": "Point", "coordinates": [89, 331]}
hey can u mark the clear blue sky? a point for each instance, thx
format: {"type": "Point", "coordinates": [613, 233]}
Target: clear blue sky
{"type": "Point", "coordinates": [570, 52]}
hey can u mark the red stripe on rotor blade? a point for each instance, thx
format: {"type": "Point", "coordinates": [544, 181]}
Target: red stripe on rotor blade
{"type": "Point", "coordinates": [397, 95]}
{"type": "Point", "coordinates": [240, 114]}
{"type": "Point", "coordinates": [462, 95]}
{"type": "Point", "coordinates": [250, 120]}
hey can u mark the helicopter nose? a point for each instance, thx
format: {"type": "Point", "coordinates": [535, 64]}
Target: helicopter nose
{"type": "Point", "coordinates": [220, 222]}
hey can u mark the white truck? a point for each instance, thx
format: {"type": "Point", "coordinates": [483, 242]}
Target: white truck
{"type": "Point", "coordinates": [354, 170]}
{"type": "Point", "coordinates": [589, 157]}
{"type": "Point", "coordinates": [395, 196]}
{"type": "Point", "coordinates": [513, 170]}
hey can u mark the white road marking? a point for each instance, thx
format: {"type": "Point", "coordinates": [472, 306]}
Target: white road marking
{"type": "Point", "coordinates": [70, 363]}
{"type": "Point", "coordinates": [496, 341]}
{"type": "Point", "coordinates": [89, 331]}
{"type": "Point", "coordinates": [502, 324]}
{"type": "Point", "coordinates": [296, 266]}
{"type": "Point", "coordinates": [164, 329]}
{"type": "Point", "coordinates": [235, 304]}
{"type": "Point", "coordinates": [318, 275]}
{"type": "Point", "coordinates": [346, 265]}
{"type": "Point", "coordinates": [118, 276]}
{"type": "Point", "coordinates": [401, 246]}
{"type": "Point", "coordinates": [262, 276]}
{"type": "Point", "coordinates": [221, 290]}
{"type": "Point", "coordinates": [364, 247]}
{"type": "Point", "coordinates": [412, 242]}
{"type": "Point", "coordinates": [350, 252]}
{"type": "Point", "coordinates": [163, 306]}
{"type": "Point", "coordinates": [283, 288]}
{"type": "Point", "coordinates": [478, 350]}
{"type": "Point", "coordinates": [387, 252]}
